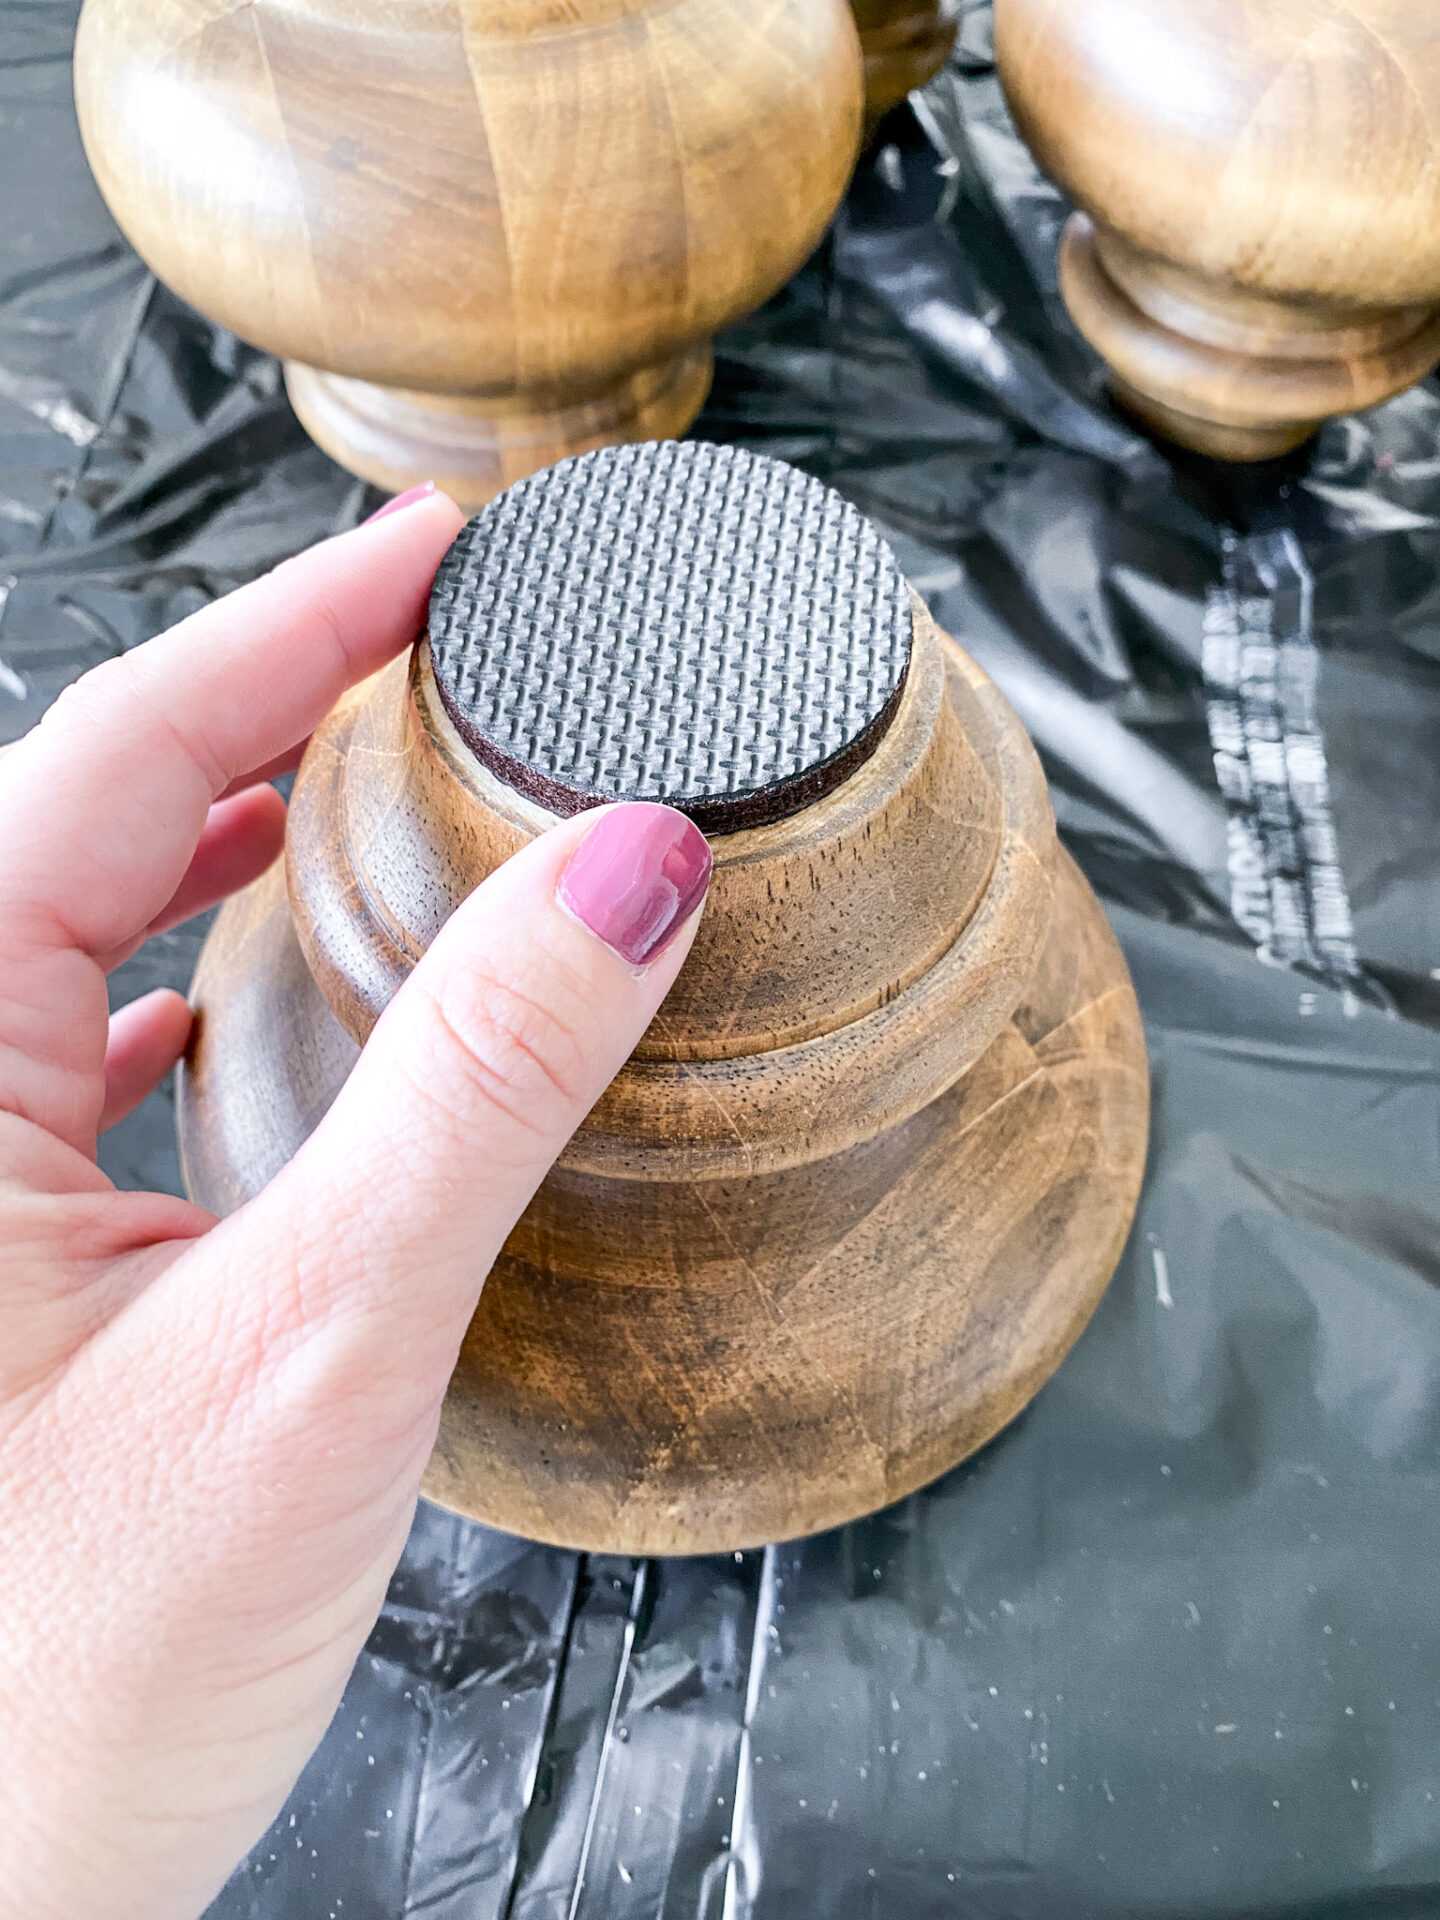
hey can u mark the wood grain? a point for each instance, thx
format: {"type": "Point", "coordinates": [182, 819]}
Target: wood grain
{"type": "Point", "coordinates": [774, 1281]}
{"type": "Point", "coordinates": [483, 233]}
{"type": "Point", "coordinates": [1257, 244]}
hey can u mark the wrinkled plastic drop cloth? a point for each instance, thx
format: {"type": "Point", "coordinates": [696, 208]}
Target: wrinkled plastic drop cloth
{"type": "Point", "coordinates": [1170, 1646]}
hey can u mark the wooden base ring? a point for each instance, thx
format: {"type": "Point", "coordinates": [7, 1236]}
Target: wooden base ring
{"type": "Point", "coordinates": [475, 446]}
{"type": "Point", "coordinates": [1214, 399]}
{"type": "Point", "coordinates": [1214, 438]}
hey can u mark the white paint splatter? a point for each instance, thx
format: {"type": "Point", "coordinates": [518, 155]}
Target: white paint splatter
{"type": "Point", "coordinates": [48, 402]}
{"type": "Point", "coordinates": [1261, 670]}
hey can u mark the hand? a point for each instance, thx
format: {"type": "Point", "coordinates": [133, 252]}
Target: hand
{"type": "Point", "coordinates": [212, 1433]}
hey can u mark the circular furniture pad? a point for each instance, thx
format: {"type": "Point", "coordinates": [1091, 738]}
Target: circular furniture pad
{"type": "Point", "coordinates": [685, 623]}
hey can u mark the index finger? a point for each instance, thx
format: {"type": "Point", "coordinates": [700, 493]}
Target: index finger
{"type": "Point", "coordinates": [105, 800]}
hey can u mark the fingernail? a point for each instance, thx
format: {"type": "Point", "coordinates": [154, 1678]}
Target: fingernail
{"type": "Point", "coordinates": [636, 878]}
{"type": "Point", "coordinates": [406, 499]}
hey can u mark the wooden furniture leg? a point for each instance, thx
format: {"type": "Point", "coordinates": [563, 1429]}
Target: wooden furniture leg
{"type": "Point", "coordinates": [1257, 238]}
{"type": "Point", "coordinates": [863, 1181]}
{"type": "Point", "coordinates": [482, 234]}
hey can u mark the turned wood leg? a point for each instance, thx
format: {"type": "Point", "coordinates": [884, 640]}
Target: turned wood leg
{"type": "Point", "coordinates": [1257, 245]}
{"type": "Point", "coordinates": [868, 1171]}
{"type": "Point", "coordinates": [1228, 374]}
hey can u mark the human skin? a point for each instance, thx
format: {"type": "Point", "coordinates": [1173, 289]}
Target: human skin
{"type": "Point", "coordinates": [212, 1432]}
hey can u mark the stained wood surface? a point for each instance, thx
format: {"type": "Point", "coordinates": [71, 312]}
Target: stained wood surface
{"type": "Point", "coordinates": [485, 233]}
{"type": "Point", "coordinates": [1257, 244]}
{"type": "Point", "coordinates": [904, 44]}
{"type": "Point", "coordinates": [773, 1283]}
{"type": "Point", "coordinates": [475, 447]}
{"type": "Point", "coordinates": [268, 1056]}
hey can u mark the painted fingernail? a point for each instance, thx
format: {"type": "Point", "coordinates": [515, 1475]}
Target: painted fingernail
{"type": "Point", "coordinates": [406, 499]}
{"type": "Point", "coordinates": [636, 878]}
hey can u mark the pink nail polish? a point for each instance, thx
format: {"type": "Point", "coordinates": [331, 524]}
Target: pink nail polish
{"type": "Point", "coordinates": [406, 499]}
{"type": "Point", "coordinates": [636, 877]}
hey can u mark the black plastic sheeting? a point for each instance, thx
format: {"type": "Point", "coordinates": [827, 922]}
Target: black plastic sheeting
{"type": "Point", "coordinates": [1169, 1646]}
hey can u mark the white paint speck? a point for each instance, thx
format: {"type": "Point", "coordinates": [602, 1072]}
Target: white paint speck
{"type": "Point", "coordinates": [1163, 1295]}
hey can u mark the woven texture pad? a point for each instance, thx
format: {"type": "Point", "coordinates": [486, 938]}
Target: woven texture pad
{"type": "Point", "coordinates": [686, 623]}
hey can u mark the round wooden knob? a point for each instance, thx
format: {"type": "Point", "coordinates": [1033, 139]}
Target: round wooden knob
{"type": "Point", "coordinates": [481, 236]}
{"type": "Point", "coordinates": [862, 1182]}
{"type": "Point", "coordinates": [1258, 241]}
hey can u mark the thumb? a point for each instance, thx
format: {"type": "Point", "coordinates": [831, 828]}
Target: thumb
{"type": "Point", "coordinates": [526, 1006]}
